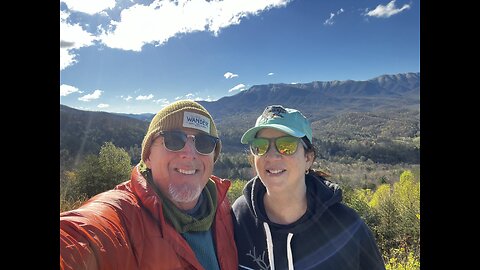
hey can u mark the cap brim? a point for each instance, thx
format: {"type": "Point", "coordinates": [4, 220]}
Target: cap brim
{"type": "Point", "coordinates": [249, 135]}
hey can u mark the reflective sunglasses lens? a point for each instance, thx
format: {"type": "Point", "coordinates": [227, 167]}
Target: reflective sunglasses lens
{"type": "Point", "coordinates": [174, 141]}
{"type": "Point", "coordinates": [259, 146]}
{"type": "Point", "coordinates": [286, 145]}
{"type": "Point", "coordinates": [205, 144]}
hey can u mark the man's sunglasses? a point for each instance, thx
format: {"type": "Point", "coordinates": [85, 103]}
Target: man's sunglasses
{"type": "Point", "coordinates": [175, 141]}
{"type": "Point", "coordinates": [286, 145]}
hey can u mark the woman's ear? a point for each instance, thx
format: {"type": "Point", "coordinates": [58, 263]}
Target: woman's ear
{"type": "Point", "coordinates": [309, 159]}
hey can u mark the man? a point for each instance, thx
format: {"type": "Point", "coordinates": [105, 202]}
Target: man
{"type": "Point", "coordinates": [172, 213]}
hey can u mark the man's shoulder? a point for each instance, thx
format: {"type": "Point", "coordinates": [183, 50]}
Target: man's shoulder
{"type": "Point", "coordinates": [118, 198]}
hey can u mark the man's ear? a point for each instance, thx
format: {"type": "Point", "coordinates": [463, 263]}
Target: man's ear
{"type": "Point", "coordinates": [147, 162]}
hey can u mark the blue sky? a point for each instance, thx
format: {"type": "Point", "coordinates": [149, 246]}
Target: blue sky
{"type": "Point", "coordinates": [136, 56]}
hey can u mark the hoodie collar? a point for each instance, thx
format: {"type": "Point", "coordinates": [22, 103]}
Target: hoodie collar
{"type": "Point", "coordinates": [321, 194]}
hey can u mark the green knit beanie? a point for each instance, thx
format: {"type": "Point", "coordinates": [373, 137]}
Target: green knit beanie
{"type": "Point", "coordinates": [183, 113]}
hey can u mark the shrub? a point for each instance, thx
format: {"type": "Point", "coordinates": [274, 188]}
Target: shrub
{"type": "Point", "coordinates": [99, 173]}
{"type": "Point", "coordinates": [393, 214]}
{"type": "Point", "coordinates": [235, 190]}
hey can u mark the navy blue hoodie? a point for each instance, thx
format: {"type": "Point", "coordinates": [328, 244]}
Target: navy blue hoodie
{"type": "Point", "coordinates": [330, 235]}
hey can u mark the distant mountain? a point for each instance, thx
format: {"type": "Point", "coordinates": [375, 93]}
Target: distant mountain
{"type": "Point", "coordinates": [84, 132]}
{"type": "Point", "coordinates": [318, 99]}
{"type": "Point", "coordinates": [391, 99]}
{"type": "Point", "coordinates": [387, 106]}
{"type": "Point", "coordinates": [142, 116]}
{"type": "Point", "coordinates": [324, 99]}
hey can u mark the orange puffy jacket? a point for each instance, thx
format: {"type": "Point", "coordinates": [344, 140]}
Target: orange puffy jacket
{"type": "Point", "coordinates": [124, 228]}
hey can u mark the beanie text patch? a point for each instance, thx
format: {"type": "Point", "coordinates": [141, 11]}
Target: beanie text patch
{"type": "Point", "coordinates": [196, 121]}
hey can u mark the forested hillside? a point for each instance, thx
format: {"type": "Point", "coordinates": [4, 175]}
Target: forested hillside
{"type": "Point", "coordinates": [84, 132]}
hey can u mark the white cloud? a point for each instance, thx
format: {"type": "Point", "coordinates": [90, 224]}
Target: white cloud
{"type": "Point", "coordinates": [162, 101]}
{"type": "Point", "coordinates": [161, 20]}
{"type": "Point", "coordinates": [386, 11]}
{"type": "Point", "coordinates": [103, 105]}
{"type": "Point", "coordinates": [66, 58]}
{"type": "Point", "coordinates": [270, 74]}
{"type": "Point", "coordinates": [66, 90]}
{"type": "Point", "coordinates": [229, 75]}
{"type": "Point", "coordinates": [95, 95]}
{"type": "Point", "coordinates": [144, 97]}
{"type": "Point", "coordinates": [329, 21]}
{"type": "Point", "coordinates": [190, 96]}
{"type": "Point", "coordinates": [127, 98]}
{"type": "Point", "coordinates": [152, 24]}
{"type": "Point", "coordinates": [208, 98]}
{"type": "Point", "coordinates": [89, 6]}
{"type": "Point", "coordinates": [238, 87]}
{"type": "Point", "coordinates": [195, 97]}
{"type": "Point", "coordinates": [72, 37]}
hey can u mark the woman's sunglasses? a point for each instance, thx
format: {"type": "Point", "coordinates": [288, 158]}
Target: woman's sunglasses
{"type": "Point", "coordinates": [286, 145]}
{"type": "Point", "coordinates": [175, 141]}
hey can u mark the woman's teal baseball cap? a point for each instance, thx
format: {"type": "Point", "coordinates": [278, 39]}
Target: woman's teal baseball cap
{"type": "Point", "coordinates": [287, 120]}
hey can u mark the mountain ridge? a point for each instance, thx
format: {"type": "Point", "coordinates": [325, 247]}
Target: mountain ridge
{"type": "Point", "coordinates": [323, 99]}
{"type": "Point", "coordinates": [386, 106]}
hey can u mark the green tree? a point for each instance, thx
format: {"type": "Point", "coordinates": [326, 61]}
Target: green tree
{"type": "Point", "coordinates": [359, 199]}
{"type": "Point", "coordinates": [235, 190]}
{"type": "Point", "coordinates": [100, 173]}
{"type": "Point", "coordinates": [406, 195]}
{"type": "Point", "coordinates": [114, 163]}
{"type": "Point", "coordinates": [398, 229]}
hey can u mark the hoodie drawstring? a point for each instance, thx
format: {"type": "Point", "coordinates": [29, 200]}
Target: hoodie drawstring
{"type": "Point", "coordinates": [270, 248]}
{"type": "Point", "coordinates": [289, 251]}
{"type": "Point", "coordinates": [269, 245]}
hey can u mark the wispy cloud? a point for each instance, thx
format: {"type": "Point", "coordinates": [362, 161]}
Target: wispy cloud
{"type": "Point", "coordinates": [270, 74]}
{"type": "Point", "coordinates": [330, 21]}
{"type": "Point", "coordinates": [66, 90]}
{"type": "Point", "coordinates": [95, 95]}
{"type": "Point", "coordinates": [103, 105]}
{"type": "Point", "coordinates": [188, 96]}
{"type": "Point", "coordinates": [144, 97]}
{"type": "Point", "coordinates": [89, 6]}
{"type": "Point", "coordinates": [209, 98]}
{"type": "Point", "coordinates": [72, 37]}
{"type": "Point", "coordinates": [127, 98]}
{"type": "Point", "coordinates": [162, 101]}
{"type": "Point", "coordinates": [386, 11]}
{"type": "Point", "coordinates": [229, 75]}
{"type": "Point", "coordinates": [195, 97]}
{"type": "Point", "coordinates": [155, 23]}
{"type": "Point", "coordinates": [239, 87]}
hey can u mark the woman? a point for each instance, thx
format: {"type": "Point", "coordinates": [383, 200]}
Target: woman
{"type": "Point", "coordinates": [289, 216]}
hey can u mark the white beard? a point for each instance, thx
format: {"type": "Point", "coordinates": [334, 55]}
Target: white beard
{"type": "Point", "coordinates": [185, 193]}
